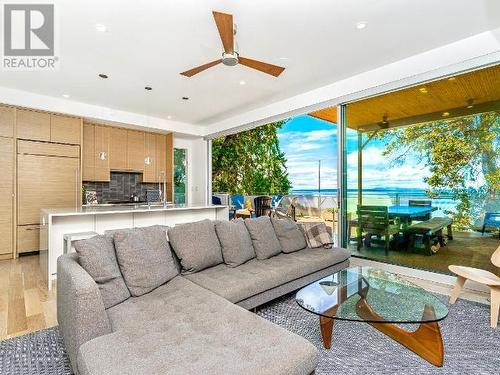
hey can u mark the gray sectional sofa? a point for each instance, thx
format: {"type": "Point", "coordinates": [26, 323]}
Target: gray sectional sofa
{"type": "Point", "coordinates": [161, 300]}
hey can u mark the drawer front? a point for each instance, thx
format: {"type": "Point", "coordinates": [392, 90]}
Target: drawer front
{"type": "Point", "coordinates": [47, 149]}
{"type": "Point", "coordinates": [28, 238]}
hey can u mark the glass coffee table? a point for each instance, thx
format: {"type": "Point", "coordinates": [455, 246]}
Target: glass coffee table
{"type": "Point", "coordinates": [381, 299]}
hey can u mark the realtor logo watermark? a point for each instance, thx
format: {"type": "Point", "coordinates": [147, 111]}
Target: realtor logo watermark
{"type": "Point", "coordinates": [29, 37]}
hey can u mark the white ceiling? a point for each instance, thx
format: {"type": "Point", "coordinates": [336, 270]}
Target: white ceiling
{"type": "Point", "coordinates": [148, 43]}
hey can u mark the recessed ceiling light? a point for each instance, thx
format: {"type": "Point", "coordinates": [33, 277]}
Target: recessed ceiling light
{"type": "Point", "coordinates": [445, 114]}
{"type": "Point", "coordinates": [65, 96]}
{"type": "Point", "coordinates": [185, 98]}
{"type": "Point", "coordinates": [361, 25]}
{"type": "Point", "coordinates": [169, 117]}
{"type": "Point", "coordinates": [243, 83]}
{"type": "Point", "coordinates": [101, 28]}
{"type": "Point", "coordinates": [283, 58]}
{"type": "Point", "coordinates": [148, 88]}
{"type": "Point", "coordinates": [104, 76]}
{"type": "Point", "coordinates": [423, 90]}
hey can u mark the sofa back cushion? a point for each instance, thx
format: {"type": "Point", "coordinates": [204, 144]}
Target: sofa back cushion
{"type": "Point", "coordinates": [145, 258]}
{"type": "Point", "coordinates": [97, 256]}
{"type": "Point", "coordinates": [196, 245]}
{"type": "Point", "coordinates": [290, 236]}
{"type": "Point", "coordinates": [235, 241]}
{"type": "Point", "coordinates": [264, 239]}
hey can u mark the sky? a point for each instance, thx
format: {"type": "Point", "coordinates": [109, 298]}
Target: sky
{"type": "Point", "coordinates": [306, 140]}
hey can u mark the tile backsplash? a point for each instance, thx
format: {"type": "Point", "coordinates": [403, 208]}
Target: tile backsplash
{"type": "Point", "coordinates": [121, 187]}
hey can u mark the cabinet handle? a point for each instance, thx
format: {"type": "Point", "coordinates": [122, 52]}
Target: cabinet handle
{"type": "Point", "coordinates": [34, 228]}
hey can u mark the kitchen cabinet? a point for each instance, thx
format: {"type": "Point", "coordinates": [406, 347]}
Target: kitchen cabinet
{"type": "Point", "coordinates": [28, 238]}
{"type": "Point", "coordinates": [135, 150]}
{"type": "Point", "coordinates": [6, 197]}
{"type": "Point", "coordinates": [46, 179]}
{"type": "Point", "coordinates": [118, 148]}
{"type": "Point", "coordinates": [161, 157]}
{"type": "Point", "coordinates": [65, 129]}
{"type": "Point", "coordinates": [33, 125]}
{"type": "Point", "coordinates": [88, 152]}
{"type": "Point", "coordinates": [7, 119]}
{"type": "Point", "coordinates": [150, 158]}
{"type": "Point", "coordinates": [95, 153]}
{"type": "Point", "coordinates": [101, 154]}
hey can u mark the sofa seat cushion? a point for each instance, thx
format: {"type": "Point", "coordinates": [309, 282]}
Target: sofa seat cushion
{"type": "Point", "coordinates": [144, 257]}
{"type": "Point", "coordinates": [181, 328]}
{"type": "Point", "coordinates": [196, 245]}
{"type": "Point", "coordinates": [257, 276]}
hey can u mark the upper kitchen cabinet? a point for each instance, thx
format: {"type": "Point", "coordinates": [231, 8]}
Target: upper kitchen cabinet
{"type": "Point", "coordinates": [135, 150]}
{"type": "Point", "coordinates": [150, 158]}
{"type": "Point", "coordinates": [7, 119]}
{"type": "Point", "coordinates": [95, 153]}
{"type": "Point", "coordinates": [33, 125]}
{"type": "Point", "coordinates": [118, 148]}
{"type": "Point", "coordinates": [65, 129]}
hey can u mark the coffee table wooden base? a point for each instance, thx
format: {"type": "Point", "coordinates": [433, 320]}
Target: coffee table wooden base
{"type": "Point", "coordinates": [426, 341]}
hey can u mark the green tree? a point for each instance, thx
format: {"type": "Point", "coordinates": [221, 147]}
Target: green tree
{"type": "Point", "coordinates": [250, 162]}
{"type": "Point", "coordinates": [463, 157]}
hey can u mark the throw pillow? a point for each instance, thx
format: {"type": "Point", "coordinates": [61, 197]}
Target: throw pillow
{"type": "Point", "coordinates": [196, 245]}
{"type": "Point", "coordinates": [144, 258]}
{"type": "Point", "coordinates": [317, 235]}
{"type": "Point", "coordinates": [290, 236]}
{"type": "Point", "coordinates": [264, 239]}
{"type": "Point", "coordinates": [97, 256]}
{"type": "Point", "coordinates": [235, 241]}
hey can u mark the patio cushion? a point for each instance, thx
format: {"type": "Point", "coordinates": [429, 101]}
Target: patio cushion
{"type": "Point", "coordinates": [181, 328]}
{"type": "Point", "coordinates": [257, 276]}
{"type": "Point", "coordinates": [196, 245]}
{"type": "Point", "coordinates": [264, 239]}
{"type": "Point", "coordinates": [97, 256]}
{"type": "Point", "coordinates": [290, 236]}
{"type": "Point", "coordinates": [235, 241]}
{"type": "Point", "coordinates": [144, 257]}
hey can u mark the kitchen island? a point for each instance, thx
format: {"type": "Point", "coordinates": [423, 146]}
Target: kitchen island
{"type": "Point", "coordinates": [55, 223]}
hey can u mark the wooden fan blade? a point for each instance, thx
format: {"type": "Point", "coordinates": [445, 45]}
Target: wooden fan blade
{"type": "Point", "coordinates": [271, 69]}
{"type": "Point", "coordinates": [201, 68]}
{"type": "Point", "coordinates": [224, 23]}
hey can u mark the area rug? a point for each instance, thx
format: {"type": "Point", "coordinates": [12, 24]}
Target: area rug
{"type": "Point", "coordinates": [471, 346]}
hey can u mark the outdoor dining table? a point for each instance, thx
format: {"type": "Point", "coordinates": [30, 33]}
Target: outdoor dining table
{"type": "Point", "coordinates": [407, 213]}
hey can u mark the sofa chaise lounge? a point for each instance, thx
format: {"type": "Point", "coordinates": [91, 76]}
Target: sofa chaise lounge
{"type": "Point", "coordinates": [131, 302]}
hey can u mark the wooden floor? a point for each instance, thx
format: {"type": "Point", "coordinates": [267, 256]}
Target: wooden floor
{"type": "Point", "coordinates": [25, 303]}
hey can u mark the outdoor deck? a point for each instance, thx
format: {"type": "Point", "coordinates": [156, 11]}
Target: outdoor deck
{"type": "Point", "coordinates": [467, 248]}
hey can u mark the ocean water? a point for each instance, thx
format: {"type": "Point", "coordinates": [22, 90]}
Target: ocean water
{"type": "Point", "coordinates": [387, 197]}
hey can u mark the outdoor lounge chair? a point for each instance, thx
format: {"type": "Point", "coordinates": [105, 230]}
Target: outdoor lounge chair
{"type": "Point", "coordinates": [491, 219]}
{"type": "Point", "coordinates": [262, 205]}
{"type": "Point", "coordinates": [483, 277]}
{"type": "Point", "coordinates": [374, 221]}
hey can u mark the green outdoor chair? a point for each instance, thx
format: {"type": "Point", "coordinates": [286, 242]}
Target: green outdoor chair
{"type": "Point", "coordinates": [374, 221]}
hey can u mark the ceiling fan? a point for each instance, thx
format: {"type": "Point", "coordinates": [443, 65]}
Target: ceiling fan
{"type": "Point", "coordinates": [230, 57]}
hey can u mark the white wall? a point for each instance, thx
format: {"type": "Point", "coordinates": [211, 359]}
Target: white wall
{"type": "Point", "coordinates": [197, 167]}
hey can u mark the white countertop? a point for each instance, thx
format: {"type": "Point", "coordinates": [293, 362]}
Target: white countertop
{"type": "Point", "coordinates": [117, 209]}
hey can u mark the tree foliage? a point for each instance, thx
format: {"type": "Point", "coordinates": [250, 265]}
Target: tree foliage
{"type": "Point", "coordinates": [463, 157]}
{"type": "Point", "coordinates": [250, 162]}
